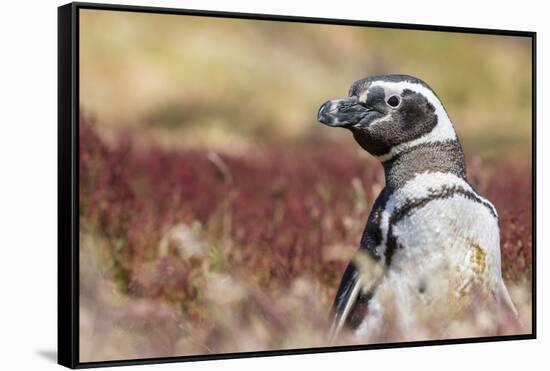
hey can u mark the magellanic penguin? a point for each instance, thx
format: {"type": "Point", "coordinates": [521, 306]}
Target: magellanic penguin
{"type": "Point", "coordinates": [430, 252]}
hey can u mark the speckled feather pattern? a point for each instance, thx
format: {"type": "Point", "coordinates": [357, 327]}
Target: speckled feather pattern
{"type": "Point", "coordinates": [431, 242]}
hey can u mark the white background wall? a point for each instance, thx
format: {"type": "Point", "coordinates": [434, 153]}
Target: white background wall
{"type": "Point", "coordinates": [28, 148]}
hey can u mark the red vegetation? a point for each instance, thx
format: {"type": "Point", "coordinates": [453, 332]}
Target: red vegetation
{"type": "Point", "coordinates": [278, 210]}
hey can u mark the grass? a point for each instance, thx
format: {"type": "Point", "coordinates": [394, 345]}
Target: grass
{"type": "Point", "coordinates": [215, 216]}
{"type": "Point", "coordinates": [194, 251]}
{"type": "Point", "coordinates": [179, 72]}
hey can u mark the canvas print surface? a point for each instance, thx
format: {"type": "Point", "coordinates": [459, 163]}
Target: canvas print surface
{"type": "Point", "coordinates": [251, 185]}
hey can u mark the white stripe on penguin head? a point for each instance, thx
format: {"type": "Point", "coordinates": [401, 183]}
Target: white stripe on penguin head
{"type": "Point", "coordinates": [444, 129]}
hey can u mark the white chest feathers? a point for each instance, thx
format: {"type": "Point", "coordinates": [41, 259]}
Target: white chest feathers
{"type": "Point", "coordinates": [435, 213]}
{"type": "Point", "coordinates": [441, 240]}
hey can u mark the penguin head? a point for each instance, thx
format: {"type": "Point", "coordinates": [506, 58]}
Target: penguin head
{"type": "Point", "coordinates": [388, 114]}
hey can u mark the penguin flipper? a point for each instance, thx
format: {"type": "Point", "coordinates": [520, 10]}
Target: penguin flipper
{"type": "Point", "coordinates": [356, 289]}
{"type": "Point", "coordinates": [347, 294]}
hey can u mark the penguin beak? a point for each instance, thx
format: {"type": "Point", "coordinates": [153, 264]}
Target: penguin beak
{"type": "Point", "coordinates": [344, 112]}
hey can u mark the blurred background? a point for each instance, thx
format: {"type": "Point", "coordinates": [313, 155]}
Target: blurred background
{"type": "Point", "coordinates": [217, 215]}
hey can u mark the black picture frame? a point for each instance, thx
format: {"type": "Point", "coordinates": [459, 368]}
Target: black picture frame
{"type": "Point", "coordinates": [68, 181]}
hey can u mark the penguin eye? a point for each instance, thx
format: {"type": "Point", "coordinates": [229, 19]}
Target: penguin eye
{"type": "Point", "coordinates": [393, 101]}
